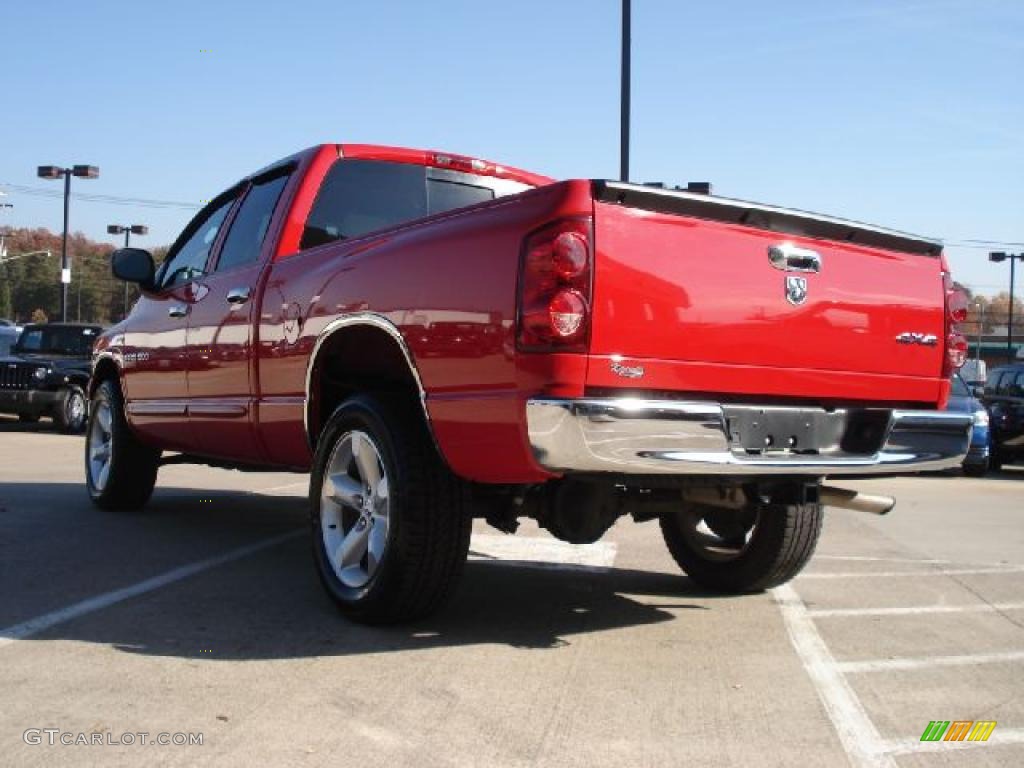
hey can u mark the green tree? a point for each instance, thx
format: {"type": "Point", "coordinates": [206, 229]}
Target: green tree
{"type": "Point", "coordinates": [6, 307]}
{"type": "Point", "coordinates": [33, 282]}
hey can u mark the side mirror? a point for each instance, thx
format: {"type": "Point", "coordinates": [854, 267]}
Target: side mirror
{"type": "Point", "coordinates": [978, 390]}
{"type": "Point", "coordinates": [133, 265]}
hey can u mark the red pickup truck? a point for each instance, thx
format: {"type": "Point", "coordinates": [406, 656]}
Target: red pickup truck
{"type": "Point", "coordinates": [438, 338]}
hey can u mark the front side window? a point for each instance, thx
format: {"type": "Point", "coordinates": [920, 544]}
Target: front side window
{"type": "Point", "coordinates": [188, 261]}
{"type": "Point", "coordinates": [362, 196]}
{"type": "Point", "coordinates": [245, 238]}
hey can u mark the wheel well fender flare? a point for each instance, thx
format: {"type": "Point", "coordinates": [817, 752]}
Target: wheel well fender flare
{"type": "Point", "coordinates": [104, 367]}
{"type": "Point", "coordinates": [321, 350]}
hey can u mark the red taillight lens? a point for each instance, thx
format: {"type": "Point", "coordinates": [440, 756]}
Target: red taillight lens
{"type": "Point", "coordinates": [567, 312]}
{"type": "Point", "coordinates": [956, 305]}
{"type": "Point", "coordinates": [554, 288]}
{"type": "Point", "coordinates": [956, 350]}
{"type": "Point", "coordinates": [569, 254]}
{"type": "Point", "coordinates": [956, 312]}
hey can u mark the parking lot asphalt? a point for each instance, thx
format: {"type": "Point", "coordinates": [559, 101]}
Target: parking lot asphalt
{"type": "Point", "coordinates": [203, 615]}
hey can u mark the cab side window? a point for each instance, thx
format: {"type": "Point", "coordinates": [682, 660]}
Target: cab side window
{"type": "Point", "coordinates": [1017, 388]}
{"type": "Point", "coordinates": [362, 196]}
{"type": "Point", "coordinates": [1003, 383]}
{"type": "Point", "coordinates": [188, 261]}
{"type": "Point", "coordinates": [245, 238]}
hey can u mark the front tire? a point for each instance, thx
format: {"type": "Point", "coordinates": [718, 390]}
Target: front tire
{"type": "Point", "coordinates": [776, 546]}
{"type": "Point", "coordinates": [390, 522]}
{"type": "Point", "coordinates": [120, 471]}
{"type": "Point", "coordinates": [71, 413]}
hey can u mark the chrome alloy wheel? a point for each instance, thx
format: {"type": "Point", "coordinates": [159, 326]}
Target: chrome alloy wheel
{"type": "Point", "coordinates": [100, 445]}
{"type": "Point", "coordinates": [75, 410]}
{"type": "Point", "coordinates": [354, 509]}
{"type": "Point", "coordinates": [719, 535]}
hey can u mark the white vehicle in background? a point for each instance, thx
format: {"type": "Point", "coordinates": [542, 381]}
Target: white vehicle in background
{"type": "Point", "coordinates": [974, 372]}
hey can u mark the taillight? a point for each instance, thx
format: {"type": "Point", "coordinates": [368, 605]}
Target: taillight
{"type": "Point", "coordinates": [956, 312]}
{"type": "Point", "coordinates": [554, 287]}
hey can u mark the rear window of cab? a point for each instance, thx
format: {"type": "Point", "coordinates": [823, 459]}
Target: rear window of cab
{"type": "Point", "coordinates": [359, 196]}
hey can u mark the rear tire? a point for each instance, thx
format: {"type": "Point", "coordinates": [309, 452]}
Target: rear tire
{"type": "Point", "coordinates": [120, 471]}
{"type": "Point", "coordinates": [390, 522]}
{"type": "Point", "coordinates": [71, 413]}
{"type": "Point", "coordinates": [776, 548]}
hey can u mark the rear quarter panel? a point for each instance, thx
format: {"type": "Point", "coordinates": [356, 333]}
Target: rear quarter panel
{"type": "Point", "coordinates": [448, 283]}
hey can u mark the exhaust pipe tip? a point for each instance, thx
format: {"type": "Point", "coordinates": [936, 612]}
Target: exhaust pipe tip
{"type": "Point", "coordinates": [858, 502]}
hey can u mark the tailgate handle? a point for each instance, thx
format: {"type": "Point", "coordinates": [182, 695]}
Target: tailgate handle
{"type": "Point", "coordinates": [790, 258]}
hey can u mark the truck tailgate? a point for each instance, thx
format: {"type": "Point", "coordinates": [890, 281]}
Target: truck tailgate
{"type": "Point", "coordinates": [687, 285]}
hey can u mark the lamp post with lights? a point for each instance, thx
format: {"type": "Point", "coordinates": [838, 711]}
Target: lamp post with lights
{"type": "Point", "coordinates": [127, 230]}
{"type": "Point", "coordinates": [56, 172]}
{"type": "Point", "coordinates": [998, 256]}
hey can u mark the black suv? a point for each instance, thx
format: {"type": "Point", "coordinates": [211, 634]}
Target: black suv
{"type": "Point", "coordinates": [1004, 398]}
{"type": "Point", "coordinates": [47, 373]}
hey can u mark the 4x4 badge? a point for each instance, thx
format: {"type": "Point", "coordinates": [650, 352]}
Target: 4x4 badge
{"type": "Point", "coordinates": [796, 289]}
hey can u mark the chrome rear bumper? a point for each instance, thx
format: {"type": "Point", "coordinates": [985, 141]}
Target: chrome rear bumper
{"type": "Point", "coordinates": [667, 437]}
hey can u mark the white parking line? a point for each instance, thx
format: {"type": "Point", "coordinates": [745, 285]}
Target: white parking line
{"type": "Point", "coordinates": [272, 490]}
{"type": "Point", "coordinates": [819, 613]}
{"type": "Point", "coordinates": [857, 733]}
{"type": "Point", "coordinates": [873, 559]}
{"type": "Point", "coordinates": [536, 552]}
{"type": "Point", "coordinates": [924, 662]}
{"type": "Point", "coordinates": [1008, 569]}
{"type": "Point", "coordinates": [17, 632]}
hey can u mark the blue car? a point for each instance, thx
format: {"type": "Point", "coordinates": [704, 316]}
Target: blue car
{"type": "Point", "coordinates": [962, 400]}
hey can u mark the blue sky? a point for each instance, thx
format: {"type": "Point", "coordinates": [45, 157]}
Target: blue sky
{"type": "Point", "coordinates": [902, 113]}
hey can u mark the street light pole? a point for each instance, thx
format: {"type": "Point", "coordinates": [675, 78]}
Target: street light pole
{"type": "Point", "coordinates": [128, 230]}
{"type": "Point", "coordinates": [65, 265]}
{"type": "Point", "coordinates": [627, 15]}
{"type": "Point", "coordinates": [56, 172]}
{"type": "Point", "coordinates": [1013, 257]}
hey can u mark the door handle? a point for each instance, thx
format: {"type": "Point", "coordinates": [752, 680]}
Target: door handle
{"type": "Point", "coordinates": [790, 258]}
{"type": "Point", "coordinates": [177, 310]}
{"type": "Point", "coordinates": [238, 295]}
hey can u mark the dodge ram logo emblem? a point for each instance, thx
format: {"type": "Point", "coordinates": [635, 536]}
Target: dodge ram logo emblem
{"type": "Point", "coordinates": [796, 289]}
